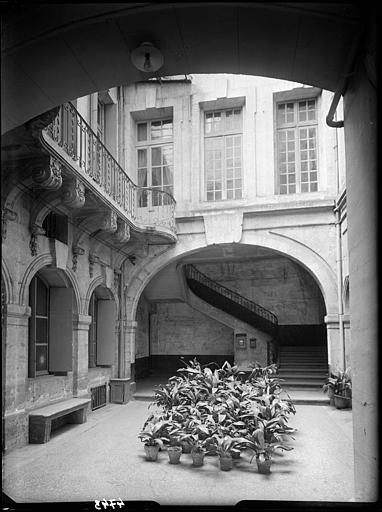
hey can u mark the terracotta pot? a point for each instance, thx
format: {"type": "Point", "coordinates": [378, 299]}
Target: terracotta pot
{"type": "Point", "coordinates": [198, 458]}
{"type": "Point", "coordinates": [152, 452]}
{"type": "Point", "coordinates": [342, 402]}
{"type": "Point", "coordinates": [226, 462]}
{"type": "Point", "coordinates": [264, 466]}
{"type": "Point", "coordinates": [174, 453]}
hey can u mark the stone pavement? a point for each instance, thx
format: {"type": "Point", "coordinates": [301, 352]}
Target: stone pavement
{"type": "Point", "coordinates": [103, 458]}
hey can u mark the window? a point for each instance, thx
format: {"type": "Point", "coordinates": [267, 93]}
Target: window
{"type": "Point", "coordinates": [38, 327]}
{"type": "Point", "coordinates": [223, 154]}
{"type": "Point", "coordinates": [101, 120]}
{"type": "Point", "coordinates": [154, 160]}
{"type": "Point", "coordinates": [297, 159]}
{"type": "Point", "coordinates": [92, 346]}
{"type": "Point", "coordinates": [56, 226]}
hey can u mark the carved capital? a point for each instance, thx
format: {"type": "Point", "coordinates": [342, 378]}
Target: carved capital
{"type": "Point", "coordinates": [117, 276]}
{"type": "Point", "coordinates": [37, 124]}
{"type": "Point", "coordinates": [6, 215]}
{"type": "Point", "coordinates": [76, 251]}
{"type": "Point", "coordinates": [47, 175]}
{"type": "Point", "coordinates": [93, 259]}
{"type": "Point", "coordinates": [109, 222]}
{"type": "Point", "coordinates": [74, 194]}
{"type": "Point", "coordinates": [36, 230]}
{"type": "Point", "coordinates": [123, 231]}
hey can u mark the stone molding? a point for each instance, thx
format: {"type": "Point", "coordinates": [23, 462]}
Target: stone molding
{"type": "Point", "coordinates": [36, 230]}
{"type": "Point", "coordinates": [123, 231]}
{"type": "Point", "coordinates": [76, 251]}
{"type": "Point", "coordinates": [47, 175]}
{"type": "Point", "coordinates": [74, 194]}
{"type": "Point", "coordinates": [7, 214]}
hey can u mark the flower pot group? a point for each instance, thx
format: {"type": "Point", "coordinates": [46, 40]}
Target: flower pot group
{"type": "Point", "coordinates": [151, 452]}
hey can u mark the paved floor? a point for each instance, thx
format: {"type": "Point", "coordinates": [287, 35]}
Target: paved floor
{"type": "Point", "coordinates": [104, 459]}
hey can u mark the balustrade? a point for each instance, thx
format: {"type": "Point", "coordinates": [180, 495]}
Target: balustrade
{"type": "Point", "coordinates": [265, 318]}
{"type": "Point", "coordinates": [151, 207]}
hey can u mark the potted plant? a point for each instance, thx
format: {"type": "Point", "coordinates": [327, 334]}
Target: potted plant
{"type": "Point", "coordinates": [174, 452]}
{"type": "Point", "coordinates": [263, 449]}
{"type": "Point", "coordinates": [198, 452]}
{"type": "Point", "coordinates": [153, 436]}
{"type": "Point", "coordinates": [343, 390]}
{"type": "Point", "coordinates": [224, 447]}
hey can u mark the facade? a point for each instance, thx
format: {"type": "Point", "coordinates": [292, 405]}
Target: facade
{"type": "Point", "coordinates": [114, 203]}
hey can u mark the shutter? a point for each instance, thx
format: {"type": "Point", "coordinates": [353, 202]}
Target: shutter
{"type": "Point", "coordinates": [106, 317]}
{"type": "Point", "coordinates": [60, 329]}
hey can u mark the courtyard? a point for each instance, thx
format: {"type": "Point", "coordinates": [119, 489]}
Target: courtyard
{"type": "Point", "coordinates": [104, 459]}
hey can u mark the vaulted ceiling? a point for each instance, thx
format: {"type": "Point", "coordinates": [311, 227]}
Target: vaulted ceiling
{"type": "Point", "coordinates": [58, 52]}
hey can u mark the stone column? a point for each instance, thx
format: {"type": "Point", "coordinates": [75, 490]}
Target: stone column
{"type": "Point", "coordinates": [334, 342]}
{"type": "Point", "coordinates": [123, 387]}
{"type": "Point", "coordinates": [15, 366]}
{"type": "Point", "coordinates": [80, 355]}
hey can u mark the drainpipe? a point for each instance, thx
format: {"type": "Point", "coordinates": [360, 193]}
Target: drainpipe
{"type": "Point", "coordinates": [337, 211]}
{"type": "Point", "coordinates": [348, 72]}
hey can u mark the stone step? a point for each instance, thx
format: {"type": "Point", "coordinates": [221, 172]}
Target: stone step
{"type": "Point", "coordinates": [303, 383]}
{"type": "Point", "coordinates": [283, 370]}
{"type": "Point", "coordinates": [302, 375]}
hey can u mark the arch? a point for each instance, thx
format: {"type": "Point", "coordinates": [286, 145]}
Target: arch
{"type": "Point", "coordinates": [310, 260]}
{"type": "Point", "coordinates": [95, 283]}
{"type": "Point", "coordinates": [39, 263]}
{"type": "Point", "coordinates": [8, 282]}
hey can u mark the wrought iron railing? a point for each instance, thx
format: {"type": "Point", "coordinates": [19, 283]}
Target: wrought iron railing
{"type": "Point", "coordinates": [263, 318]}
{"type": "Point", "coordinates": [73, 134]}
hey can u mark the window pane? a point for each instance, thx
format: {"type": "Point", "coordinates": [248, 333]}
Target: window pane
{"type": "Point", "coordinates": [156, 177]}
{"type": "Point", "coordinates": [283, 189]}
{"type": "Point", "coordinates": [41, 298]}
{"type": "Point", "coordinates": [292, 189]}
{"type": "Point", "coordinates": [229, 194]}
{"type": "Point", "coordinates": [156, 129]}
{"type": "Point", "coordinates": [167, 155]}
{"type": "Point", "coordinates": [304, 176]}
{"type": "Point", "coordinates": [142, 198]}
{"type": "Point", "coordinates": [167, 128]}
{"type": "Point", "coordinates": [238, 194]}
{"type": "Point", "coordinates": [304, 187]}
{"type": "Point", "coordinates": [156, 156]}
{"type": "Point", "coordinates": [142, 131]}
{"type": "Point", "coordinates": [41, 330]}
{"type": "Point", "coordinates": [142, 177]}
{"type": "Point", "coordinates": [210, 196]}
{"type": "Point", "coordinates": [41, 358]}
{"type": "Point", "coordinates": [283, 179]}
{"type": "Point", "coordinates": [167, 175]}
{"type": "Point", "coordinates": [313, 187]}
{"type": "Point", "coordinates": [218, 196]}
{"type": "Point", "coordinates": [313, 176]}
{"type": "Point", "coordinates": [142, 157]}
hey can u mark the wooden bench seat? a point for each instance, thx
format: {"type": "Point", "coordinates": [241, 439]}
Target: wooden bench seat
{"type": "Point", "coordinates": [40, 420]}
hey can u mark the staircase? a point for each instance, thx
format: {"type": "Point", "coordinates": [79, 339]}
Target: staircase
{"type": "Point", "coordinates": [303, 367]}
{"type": "Point", "coordinates": [231, 302]}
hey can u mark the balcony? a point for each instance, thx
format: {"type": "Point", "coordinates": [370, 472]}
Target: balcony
{"type": "Point", "coordinates": [74, 143]}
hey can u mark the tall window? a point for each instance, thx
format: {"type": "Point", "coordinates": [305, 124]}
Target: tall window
{"type": "Point", "coordinates": [297, 162]}
{"type": "Point", "coordinates": [92, 345]}
{"type": "Point", "coordinates": [38, 327]}
{"type": "Point", "coordinates": [155, 160]}
{"type": "Point", "coordinates": [101, 120]}
{"type": "Point", "coordinates": [223, 154]}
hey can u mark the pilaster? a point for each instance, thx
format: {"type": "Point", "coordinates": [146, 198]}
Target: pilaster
{"type": "Point", "coordinates": [81, 325]}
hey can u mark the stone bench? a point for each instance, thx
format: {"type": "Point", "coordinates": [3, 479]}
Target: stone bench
{"type": "Point", "coordinates": [40, 420]}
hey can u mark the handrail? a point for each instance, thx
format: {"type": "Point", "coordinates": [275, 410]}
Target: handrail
{"type": "Point", "coordinates": [74, 135]}
{"type": "Point", "coordinates": [268, 316]}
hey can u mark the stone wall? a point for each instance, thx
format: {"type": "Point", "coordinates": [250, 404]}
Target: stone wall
{"type": "Point", "coordinates": [277, 284]}
{"type": "Point", "coordinates": [182, 330]}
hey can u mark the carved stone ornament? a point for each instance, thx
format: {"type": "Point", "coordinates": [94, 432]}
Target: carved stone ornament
{"type": "Point", "coordinates": [74, 194]}
{"type": "Point", "coordinates": [37, 124]}
{"type": "Point", "coordinates": [109, 222]}
{"type": "Point", "coordinates": [36, 230]}
{"type": "Point", "coordinates": [48, 176]}
{"type": "Point", "coordinates": [76, 251]}
{"type": "Point", "coordinates": [6, 215]}
{"type": "Point", "coordinates": [123, 231]}
{"type": "Point", "coordinates": [117, 275]}
{"type": "Point", "coordinates": [93, 259]}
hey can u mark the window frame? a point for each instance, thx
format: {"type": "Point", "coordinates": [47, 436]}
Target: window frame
{"type": "Point", "coordinates": [224, 134]}
{"type": "Point", "coordinates": [93, 312]}
{"type": "Point", "coordinates": [295, 96]}
{"type": "Point", "coordinates": [32, 331]}
{"type": "Point", "coordinates": [148, 144]}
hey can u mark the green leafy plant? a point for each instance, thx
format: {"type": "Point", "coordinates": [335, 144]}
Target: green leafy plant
{"type": "Point", "coordinates": [154, 433]}
{"type": "Point", "coordinates": [339, 383]}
